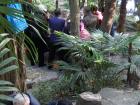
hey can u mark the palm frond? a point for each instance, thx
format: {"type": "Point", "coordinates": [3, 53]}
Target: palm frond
{"type": "Point", "coordinates": [2, 82]}
{"type": "Point", "coordinates": [6, 86]}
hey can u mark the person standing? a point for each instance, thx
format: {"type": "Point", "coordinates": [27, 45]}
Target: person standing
{"type": "Point", "coordinates": [89, 20]}
{"type": "Point", "coordinates": [99, 15]}
{"type": "Point", "coordinates": [56, 23]}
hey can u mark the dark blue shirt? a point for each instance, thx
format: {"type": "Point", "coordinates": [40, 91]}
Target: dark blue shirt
{"type": "Point", "coordinates": [56, 24]}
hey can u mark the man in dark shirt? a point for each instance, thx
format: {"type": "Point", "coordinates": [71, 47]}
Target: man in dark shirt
{"type": "Point", "coordinates": [56, 24]}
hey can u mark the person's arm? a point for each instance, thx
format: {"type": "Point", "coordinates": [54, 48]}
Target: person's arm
{"type": "Point", "coordinates": [63, 25]}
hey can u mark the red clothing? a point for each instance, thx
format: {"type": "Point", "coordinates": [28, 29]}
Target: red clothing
{"type": "Point", "coordinates": [99, 17]}
{"type": "Point", "coordinates": [84, 34]}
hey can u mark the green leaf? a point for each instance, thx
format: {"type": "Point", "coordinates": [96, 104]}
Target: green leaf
{"type": "Point", "coordinates": [38, 33]}
{"type": "Point", "coordinates": [2, 82]}
{"type": "Point", "coordinates": [62, 48]}
{"type": "Point", "coordinates": [7, 61]}
{"type": "Point", "coordinates": [7, 89]}
{"type": "Point", "coordinates": [7, 98]}
{"type": "Point", "coordinates": [8, 69]}
{"type": "Point", "coordinates": [3, 52]}
{"type": "Point", "coordinates": [4, 34]}
{"type": "Point", "coordinates": [2, 103]}
{"type": "Point", "coordinates": [4, 42]}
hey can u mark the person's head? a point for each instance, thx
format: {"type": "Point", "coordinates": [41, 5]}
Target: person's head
{"type": "Point", "coordinates": [21, 99]}
{"type": "Point", "coordinates": [57, 12]}
{"type": "Point", "coordinates": [94, 8]}
{"type": "Point", "coordinates": [42, 7]}
{"type": "Point", "coordinates": [64, 14]}
{"type": "Point", "coordinates": [86, 10]}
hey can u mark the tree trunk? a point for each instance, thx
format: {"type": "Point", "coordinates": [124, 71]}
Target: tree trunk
{"type": "Point", "coordinates": [108, 15]}
{"type": "Point", "coordinates": [57, 3]}
{"type": "Point", "coordinates": [82, 4]}
{"type": "Point", "coordinates": [17, 77]}
{"type": "Point", "coordinates": [137, 4]}
{"type": "Point", "coordinates": [101, 4]}
{"type": "Point", "coordinates": [86, 3]}
{"type": "Point", "coordinates": [74, 17]}
{"type": "Point", "coordinates": [122, 16]}
{"type": "Point", "coordinates": [129, 60]}
{"type": "Point", "coordinates": [19, 49]}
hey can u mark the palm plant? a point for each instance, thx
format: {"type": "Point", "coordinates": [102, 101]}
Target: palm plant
{"type": "Point", "coordinates": [18, 47]}
{"type": "Point", "coordinates": [90, 63]}
{"type": "Point", "coordinates": [6, 86]}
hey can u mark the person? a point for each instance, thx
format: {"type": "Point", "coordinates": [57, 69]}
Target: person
{"type": "Point", "coordinates": [84, 34]}
{"type": "Point", "coordinates": [99, 15]}
{"type": "Point", "coordinates": [25, 99]}
{"type": "Point", "coordinates": [65, 16]}
{"type": "Point", "coordinates": [22, 99]}
{"type": "Point", "coordinates": [32, 32]}
{"type": "Point", "coordinates": [112, 32]}
{"type": "Point", "coordinates": [89, 19]}
{"type": "Point", "coordinates": [56, 23]}
{"type": "Point", "coordinates": [41, 42]}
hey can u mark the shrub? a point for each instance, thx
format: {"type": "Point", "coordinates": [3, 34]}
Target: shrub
{"type": "Point", "coordinates": [49, 90]}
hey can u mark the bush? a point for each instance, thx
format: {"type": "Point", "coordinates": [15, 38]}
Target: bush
{"type": "Point", "coordinates": [49, 90]}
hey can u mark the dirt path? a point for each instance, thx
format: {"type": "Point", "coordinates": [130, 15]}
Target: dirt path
{"type": "Point", "coordinates": [40, 74]}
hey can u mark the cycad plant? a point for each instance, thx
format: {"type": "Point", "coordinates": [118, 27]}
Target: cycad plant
{"type": "Point", "coordinates": [90, 66]}
{"type": "Point", "coordinates": [5, 67]}
{"type": "Point", "coordinates": [18, 47]}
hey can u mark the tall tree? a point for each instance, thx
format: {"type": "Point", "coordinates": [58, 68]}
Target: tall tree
{"type": "Point", "coordinates": [56, 3]}
{"type": "Point", "coordinates": [122, 17]}
{"type": "Point", "coordinates": [82, 3]}
{"type": "Point", "coordinates": [74, 17]}
{"type": "Point", "coordinates": [101, 4]}
{"type": "Point", "coordinates": [108, 15]}
{"type": "Point", "coordinates": [137, 4]}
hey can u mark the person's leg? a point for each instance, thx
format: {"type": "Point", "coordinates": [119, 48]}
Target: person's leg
{"type": "Point", "coordinates": [52, 53]}
{"type": "Point", "coordinates": [30, 53]}
{"type": "Point", "coordinates": [40, 58]}
{"type": "Point", "coordinates": [42, 48]}
{"type": "Point", "coordinates": [62, 54]}
{"type": "Point", "coordinates": [112, 33]}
